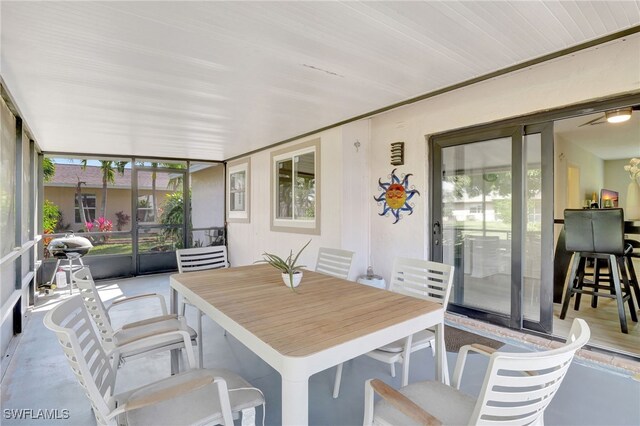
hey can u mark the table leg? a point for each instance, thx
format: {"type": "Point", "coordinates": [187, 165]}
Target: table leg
{"type": "Point", "coordinates": [175, 353]}
{"type": "Point", "coordinates": [442, 369]}
{"type": "Point", "coordinates": [295, 402]}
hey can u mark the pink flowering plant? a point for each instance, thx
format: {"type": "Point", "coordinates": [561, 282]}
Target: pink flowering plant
{"type": "Point", "coordinates": [100, 224]}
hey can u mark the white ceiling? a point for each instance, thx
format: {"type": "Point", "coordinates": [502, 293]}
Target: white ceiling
{"type": "Point", "coordinates": [211, 80]}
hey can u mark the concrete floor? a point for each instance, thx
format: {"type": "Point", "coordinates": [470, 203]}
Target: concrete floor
{"type": "Point", "coordinates": [38, 376]}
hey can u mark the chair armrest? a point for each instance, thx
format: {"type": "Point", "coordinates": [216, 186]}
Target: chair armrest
{"type": "Point", "coordinates": [462, 359]}
{"type": "Point", "coordinates": [163, 303]}
{"type": "Point", "coordinates": [159, 337]}
{"type": "Point", "coordinates": [177, 390]}
{"type": "Point", "coordinates": [482, 349]}
{"type": "Point", "coordinates": [403, 404]}
{"type": "Point", "coordinates": [149, 321]}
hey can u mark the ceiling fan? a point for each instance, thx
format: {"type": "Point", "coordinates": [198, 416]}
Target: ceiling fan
{"type": "Point", "coordinates": [613, 116]}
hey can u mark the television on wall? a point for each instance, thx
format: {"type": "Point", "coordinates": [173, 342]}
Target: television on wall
{"type": "Point", "coordinates": [608, 199]}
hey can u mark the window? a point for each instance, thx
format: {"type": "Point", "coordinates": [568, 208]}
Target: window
{"type": "Point", "coordinates": [89, 202]}
{"type": "Point", "coordinates": [145, 207]}
{"type": "Point", "coordinates": [238, 180]}
{"type": "Point", "coordinates": [295, 194]}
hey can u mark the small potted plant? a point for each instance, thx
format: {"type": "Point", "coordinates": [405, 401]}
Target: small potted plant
{"type": "Point", "coordinates": [291, 271]}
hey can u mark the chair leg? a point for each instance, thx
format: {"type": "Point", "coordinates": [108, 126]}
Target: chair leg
{"type": "Point", "coordinates": [615, 277]}
{"type": "Point", "coordinates": [596, 279]}
{"type": "Point", "coordinates": [572, 277]}
{"type": "Point", "coordinates": [336, 382]}
{"type": "Point", "coordinates": [392, 366]}
{"type": "Point", "coordinates": [633, 278]}
{"type": "Point", "coordinates": [627, 289]}
{"type": "Point", "coordinates": [579, 283]}
{"type": "Point", "coordinates": [200, 349]}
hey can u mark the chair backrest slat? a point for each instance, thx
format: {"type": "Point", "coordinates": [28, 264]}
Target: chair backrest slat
{"type": "Point", "coordinates": [518, 387]}
{"type": "Point", "coordinates": [423, 279]}
{"type": "Point", "coordinates": [86, 356]}
{"type": "Point", "coordinates": [94, 305]}
{"type": "Point", "coordinates": [334, 262]}
{"type": "Point", "coordinates": [201, 258]}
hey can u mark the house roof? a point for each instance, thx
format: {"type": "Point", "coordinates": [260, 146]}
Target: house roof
{"type": "Point", "coordinates": [69, 174]}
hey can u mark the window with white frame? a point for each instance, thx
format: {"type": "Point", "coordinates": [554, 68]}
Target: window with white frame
{"type": "Point", "coordinates": [238, 175]}
{"type": "Point", "coordinates": [89, 204]}
{"type": "Point", "coordinates": [295, 184]}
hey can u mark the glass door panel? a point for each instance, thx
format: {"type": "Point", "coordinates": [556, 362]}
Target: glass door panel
{"type": "Point", "coordinates": [477, 223]}
{"type": "Point", "coordinates": [532, 267]}
{"type": "Point", "coordinates": [492, 218]}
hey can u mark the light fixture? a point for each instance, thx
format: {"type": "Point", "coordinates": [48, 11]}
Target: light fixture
{"type": "Point", "coordinates": [397, 153]}
{"type": "Point", "coordinates": [618, 115]}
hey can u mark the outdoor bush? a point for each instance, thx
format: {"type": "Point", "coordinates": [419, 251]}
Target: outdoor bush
{"type": "Point", "coordinates": [172, 213]}
{"type": "Point", "coordinates": [122, 219]}
{"type": "Point", "coordinates": [52, 218]}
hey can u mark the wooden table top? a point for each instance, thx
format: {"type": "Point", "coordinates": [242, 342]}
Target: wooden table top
{"type": "Point", "coordinates": [323, 311]}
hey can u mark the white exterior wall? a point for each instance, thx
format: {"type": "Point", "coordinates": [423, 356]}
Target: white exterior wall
{"type": "Point", "coordinates": [572, 79]}
{"type": "Point", "coordinates": [247, 241]}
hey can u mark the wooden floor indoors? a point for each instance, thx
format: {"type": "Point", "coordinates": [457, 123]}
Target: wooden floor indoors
{"type": "Point", "coordinates": [603, 321]}
{"type": "Point", "coordinates": [604, 324]}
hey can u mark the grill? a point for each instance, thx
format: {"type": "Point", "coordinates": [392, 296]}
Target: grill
{"type": "Point", "coordinates": [69, 246]}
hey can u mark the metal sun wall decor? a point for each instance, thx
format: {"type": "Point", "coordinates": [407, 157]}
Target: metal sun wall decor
{"type": "Point", "coordinates": [395, 195]}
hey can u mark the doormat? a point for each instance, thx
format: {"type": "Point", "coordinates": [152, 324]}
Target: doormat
{"type": "Point", "coordinates": [454, 339]}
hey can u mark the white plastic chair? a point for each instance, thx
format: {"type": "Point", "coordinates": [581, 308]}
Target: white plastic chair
{"type": "Point", "coordinates": [334, 262]}
{"type": "Point", "coordinates": [199, 259]}
{"type": "Point", "coordinates": [131, 339]}
{"type": "Point", "coordinates": [417, 278]}
{"type": "Point", "coordinates": [195, 396]}
{"type": "Point", "coordinates": [517, 389]}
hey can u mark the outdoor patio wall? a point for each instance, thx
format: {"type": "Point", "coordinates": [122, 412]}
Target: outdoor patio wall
{"type": "Point", "coordinates": [573, 79]}
{"type": "Point", "coordinates": [207, 200]}
{"type": "Point", "coordinates": [341, 226]}
{"type": "Point", "coordinates": [591, 74]}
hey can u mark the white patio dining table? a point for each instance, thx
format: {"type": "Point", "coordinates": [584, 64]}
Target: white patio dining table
{"type": "Point", "coordinates": [326, 321]}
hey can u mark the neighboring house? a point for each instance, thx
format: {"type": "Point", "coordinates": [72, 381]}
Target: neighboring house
{"type": "Point", "coordinates": [61, 190]}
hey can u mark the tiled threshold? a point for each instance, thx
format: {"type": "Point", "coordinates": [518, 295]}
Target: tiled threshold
{"type": "Point", "coordinates": [618, 364]}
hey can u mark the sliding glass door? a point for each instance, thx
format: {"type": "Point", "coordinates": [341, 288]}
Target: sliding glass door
{"type": "Point", "coordinates": [488, 220]}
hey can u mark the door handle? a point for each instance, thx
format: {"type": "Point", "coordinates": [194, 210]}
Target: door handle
{"type": "Point", "coordinates": [436, 227]}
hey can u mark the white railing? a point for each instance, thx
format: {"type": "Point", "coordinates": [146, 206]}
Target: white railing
{"type": "Point", "coordinates": [8, 305]}
{"type": "Point", "coordinates": [20, 250]}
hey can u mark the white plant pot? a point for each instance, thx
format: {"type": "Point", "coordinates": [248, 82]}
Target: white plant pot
{"type": "Point", "coordinates": [632, 210]}
{"type": "Point", "coordinates": [297, 277]}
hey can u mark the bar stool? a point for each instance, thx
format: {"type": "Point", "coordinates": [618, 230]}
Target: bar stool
{"type": "Point", "coordinates": [599, 235]}
{"type": "Point", "coordinates": [632, 251]}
